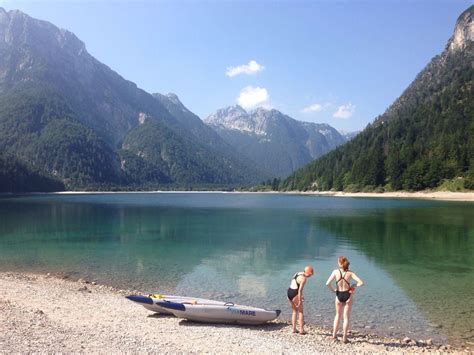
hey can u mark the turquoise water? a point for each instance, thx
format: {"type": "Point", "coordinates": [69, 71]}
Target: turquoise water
{"type": "Point", "coordinates": [415, 256]}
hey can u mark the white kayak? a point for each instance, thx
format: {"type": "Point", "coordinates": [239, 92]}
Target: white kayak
{"type": "Point", "coordinates": [221, 313]}
{"type": "Point", "coordinates": [153, 302]}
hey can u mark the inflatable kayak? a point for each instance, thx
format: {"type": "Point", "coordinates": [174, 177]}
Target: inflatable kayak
{"type": "Point", "coordinates": [220, 313]}
{"type": "Point", "coordinates": [153, 302]}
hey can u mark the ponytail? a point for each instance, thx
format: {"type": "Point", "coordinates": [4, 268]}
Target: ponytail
{"type": "Point", "coordinates": [344, 263]}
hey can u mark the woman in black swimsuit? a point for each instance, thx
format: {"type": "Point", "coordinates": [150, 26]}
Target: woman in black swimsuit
{"type": "Point", "coordinates": [344, 294]}
{"type": "Point", "coordinates": [295, 296]}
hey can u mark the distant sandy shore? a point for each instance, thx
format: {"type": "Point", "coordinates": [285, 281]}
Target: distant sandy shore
{"type": "Point", "coordinates": [428, 195]}
{"type": "Point", "coordinates": [438, 195]}
{"type": "Point", "coordinates": [41, 313]}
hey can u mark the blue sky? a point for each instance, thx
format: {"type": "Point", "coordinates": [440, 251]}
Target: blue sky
{"type": "Point", "coordinates": [339, 62]}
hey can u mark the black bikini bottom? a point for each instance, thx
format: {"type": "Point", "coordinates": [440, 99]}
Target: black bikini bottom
{"type": "Point", "coordinates": [343, 296]}
{"type": "Point", "coordinates": [292, 293]}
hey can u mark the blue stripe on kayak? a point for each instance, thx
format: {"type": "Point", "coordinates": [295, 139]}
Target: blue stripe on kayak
{"type": "Point", "coordinates": [171, 305]}
{"type": "Point", "coordinates": [278, 312]}
{"type": "Point", "coordinates": [140, 299]}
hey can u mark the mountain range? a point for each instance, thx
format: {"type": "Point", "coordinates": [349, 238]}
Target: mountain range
{"type": "Point", "coordinates": [67, 121]}
{"type": "Point", "coordinates": [66, 114]}
{"type": "Point", "coordinates": [72, 120]}
{"type": "Point", "coordinates": [423, 140]}
{"type": "Point", "coordinates": [279, 143]}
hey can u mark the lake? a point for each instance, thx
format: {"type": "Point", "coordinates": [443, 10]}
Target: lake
{"type": "Point", "coordinates": [415, 256]}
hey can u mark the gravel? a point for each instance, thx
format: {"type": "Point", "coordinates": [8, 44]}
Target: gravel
{"type": "Point", "coordinates": [42, 313]}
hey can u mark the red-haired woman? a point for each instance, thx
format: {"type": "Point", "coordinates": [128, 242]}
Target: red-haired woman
{"type": "Point", "coordinates": [344, 294]}
{"type": "Point", "coordinates": [295, 296]}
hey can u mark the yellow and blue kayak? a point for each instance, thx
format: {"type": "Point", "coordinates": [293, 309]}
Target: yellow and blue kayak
{"type": "Point", "coordinates": [204, 310]}
{"type": "Point", "coordinates": [154, 302]}
{"type": "Point", "coordinates": [221, 313]}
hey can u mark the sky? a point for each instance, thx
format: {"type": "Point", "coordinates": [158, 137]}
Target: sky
{"type": "Point", "coordinates": [340, 62]}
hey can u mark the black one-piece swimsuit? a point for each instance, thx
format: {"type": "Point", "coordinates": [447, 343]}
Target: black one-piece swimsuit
{"type": "Point", "coordinates": [343, 296]}
{"type": "Point", "coordinates": [293, 292]}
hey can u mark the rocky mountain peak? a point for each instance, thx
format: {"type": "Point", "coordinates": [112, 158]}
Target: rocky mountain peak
{"type": "Point", "coordinates": [459, 45]}
{"type": "Point", "coordinates": [236, 118]}
{"type": "Point", "coordinates": [174, 98]}
{"type": "Point", "coordinates": [17, 28]}
{"type": "Point", "coordinates": [278, 143]}
{"type": "Point", "coordinates": [233, 111]}
{"type": "Point", "coordinates": [170, 99]}
{"type": "Point", "coordinates": [265, 117]}
{"type": "Point", "coordinates": [262, 112]}
{"type": "Point", "coordinates": [267, 123]}
{"type": "Point", "coordinates": [227, 114]}
{"type": "Point", "coordinates": [463, 32]}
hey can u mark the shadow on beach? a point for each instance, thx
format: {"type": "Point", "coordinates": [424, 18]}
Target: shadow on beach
{"type": "Point", "coordinates": [160, 315]}
{"type": "Point", "coordinates": [268, 327]}
{"type": "Point", "coordinates": [372, 340]}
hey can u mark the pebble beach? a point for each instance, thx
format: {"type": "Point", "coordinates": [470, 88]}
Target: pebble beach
{"type": "Point", "coordinates": [49, 313]}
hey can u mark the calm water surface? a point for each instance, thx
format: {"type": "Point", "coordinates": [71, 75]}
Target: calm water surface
{"type": "Point", "coordinates": [415, 256]}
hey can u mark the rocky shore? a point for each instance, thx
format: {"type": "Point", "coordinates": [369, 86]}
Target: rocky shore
{"type": "Point", "coordinates": [44, 313]}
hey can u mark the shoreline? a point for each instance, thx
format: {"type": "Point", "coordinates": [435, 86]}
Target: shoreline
{"type": "Point", "coordinates": [426, 195]}
{"type": "Point", "coordinates": [46, 313]}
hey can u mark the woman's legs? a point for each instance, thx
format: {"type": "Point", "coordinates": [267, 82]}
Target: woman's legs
{"type": "Point", "coordinates": [294, 314]}
{"type": "Point", "coordinates": [339, 310]}
{"type": "Point", "coordinates": [347, 315]}
{"type": "Point", "coordinates": [301, 317]}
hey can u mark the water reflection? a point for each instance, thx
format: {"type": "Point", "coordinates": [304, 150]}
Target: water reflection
{"type": "Point", "coordinates": [412, 254]}
{"type": "Point", "coordinates": [144, 242]}
{"type": "Point", "coordinates": [427, 252]}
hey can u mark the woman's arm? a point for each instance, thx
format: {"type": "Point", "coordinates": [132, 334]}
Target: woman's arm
{"type": "Point", "coordinates": [328, 282]}
{"type": "Point", "coordinates": [300, 291]}
{"type": "Point", "coordinates": [359, 281]}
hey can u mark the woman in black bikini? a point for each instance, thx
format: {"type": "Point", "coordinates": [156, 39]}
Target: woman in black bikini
{"type": "Point", "coordinates": [344, 294]}
{"type": "Point", "coordinates": [295, 296]}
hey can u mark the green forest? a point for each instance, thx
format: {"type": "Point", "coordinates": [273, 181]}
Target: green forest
{"type": "Point", "coordinates": [15, 176]}
{"type": "Point", "coordinates": [42, 132]}
{"type": "Point", "coordinates": [424, 140]}
{"type": "Point", "coordinates": [46, 136]}
{"type": "Point", "coordinates": [60, 132]}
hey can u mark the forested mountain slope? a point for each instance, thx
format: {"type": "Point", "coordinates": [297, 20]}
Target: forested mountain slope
{"type": "Point", "coordinates": [424, 137]}
{"type": "Point", "coordinates": [17, 177]}
{"type": "Point", "coordinates": [66, 114]}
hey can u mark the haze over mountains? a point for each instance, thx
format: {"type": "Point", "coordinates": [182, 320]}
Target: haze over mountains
{"type": "Point", "coordinates": [424, 139]}
{"type": "Point", "coordinates": [64, 115]}
{"type": "Point", "coordinates": [279, 143]}
{"type": "Point", "coordinates": [68, 121]}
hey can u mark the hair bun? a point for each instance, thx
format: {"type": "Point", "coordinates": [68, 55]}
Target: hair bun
{"type": "Point", "coordinates": [344, 263]}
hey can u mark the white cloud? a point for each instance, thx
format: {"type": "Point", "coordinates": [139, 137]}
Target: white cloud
{"type": "Point", "coordinates": [251, 97]}
{"type": "Point", "coordinates": [251, 67]}
{"type": "Point", "coordinates": [344, 111]}
{"type": "Point", "coordinates": [312, 108]}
